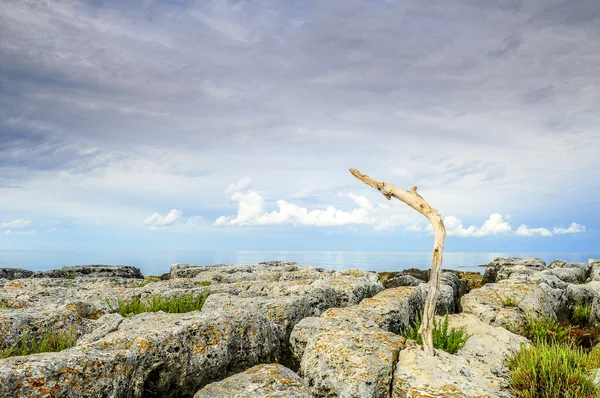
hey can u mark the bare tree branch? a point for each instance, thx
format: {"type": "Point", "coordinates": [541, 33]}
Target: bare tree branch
{"type": "Point", "coordinates": [414, 200]}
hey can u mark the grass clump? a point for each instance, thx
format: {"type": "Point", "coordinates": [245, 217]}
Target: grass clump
{"type": "Point", "coordinates": [581, 314]}
{"type": "Point", "coordinates": [542, 328]}
{"type": "Point", "coordinates": [51, 340]}
{"type": "Point", "coordinates": [548, 369]}
{"type": "Point", "coordinates": [510, 301]}
{"type": "Point", "coordinates": [177, 305]}
{"type": "Point", "coordinates": [445, 339]}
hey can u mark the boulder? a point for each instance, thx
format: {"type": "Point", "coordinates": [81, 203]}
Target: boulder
{"type": "Point", "coordinates": [147, 356]}
{"type": "Point", "coordinates": [446, 300]}
{"type": "Point", "coordinates": [260, 381]}
{"type": "Point", "coordinates": [488, 302]}
{"type": "Point", "coordinates": [443, 375]}
{"type": "Point", "coordinates": [309, 328]}
{"type": "Point", "coordinates": [503, 268]}
{"type": "Point", "coordinates": [92, 271]}
{"type": "Point", "coordinates": [14, 273]}
{"type": "Point", "coordinates": [487, 348]}
{"type": "Point", "coordinates": [594, 267]}
{"type": "Point", "coordinates": [391, 310]}
{"type": "Point", "coordinates": [402, 280]}
{"type": "Point", "coordinates": [353, 363]}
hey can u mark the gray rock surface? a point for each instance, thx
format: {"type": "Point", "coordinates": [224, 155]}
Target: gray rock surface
{"type": "Point", "coordinates": [443, 375]}
{"type": "Point", "coordinates": [261, 381]}
{"type": "Point", "coordinates": [147, 354]}
{"type": "Point", "coordinates": [503, 268]}
{"type": "Point", "coordinates": [351, 363]}
{"type": "Point", "coordinates": [594, 269]}
{"type": "Point", "coordinates": [14, 273]}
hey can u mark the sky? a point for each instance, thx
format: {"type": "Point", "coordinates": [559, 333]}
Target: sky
{"type": "Point", "coordinates": [231, 125]}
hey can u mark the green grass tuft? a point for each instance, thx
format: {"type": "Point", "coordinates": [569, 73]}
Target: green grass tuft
{"type": "Point", "coordinates": [542, 328]}
{"type": "Point", "coordinates": [186, 303]}
{"type": "Point", "coordinates": [449, 340]}
{"type": "Point", "coordinates": [581, 314]}
{"type": "Point", "coordinates": [52, 340]}
{"type": "Point", "coordinates": [548, 369]}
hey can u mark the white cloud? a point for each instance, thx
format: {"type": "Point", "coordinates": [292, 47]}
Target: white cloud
{"type": "Point", "coordinates": [240, 186]}
{"type": "Point", "coordinates": [494, 225]}
{"type": "Point", "coordinates": [156, 221]}
{"type": "Point", "coordinates": [251, 211]}
{"type": "Point", "coordinates": [523, 230]}
{"type": "Point", "coordinates": [361, 201]}
{"type": "Point", "coordinates": [9, 232]}
{"type": "Point", "coordinates": [20, 223]}
{"type": "Point", "coordinates": [574, 228]}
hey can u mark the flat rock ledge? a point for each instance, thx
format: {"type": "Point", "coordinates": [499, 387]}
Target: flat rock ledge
{"type": "Point", "coordinates": [246, 321]}
{"type": "Point", "coordinates": [278, 329]}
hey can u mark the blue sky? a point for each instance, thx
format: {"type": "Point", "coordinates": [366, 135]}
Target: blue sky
{"type": "Point", "coordinates": [232, 124]}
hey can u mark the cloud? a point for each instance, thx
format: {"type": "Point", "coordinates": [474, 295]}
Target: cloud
{"type": "Point", "coordinates": [156, 221]}
{"type": "Point", "coordinates": [20, 233]}
{"type": "Point", "coordinates": [523, 230]}
{"type": "Point", "coordinates": [574, 228]}
{"type": "Point", "coordinates": [360, 200]}
{"type": "Point", "coordinates": [20, 223]}
{"type": "Point", "coordinates": [251, 212]}
{"type": "Point", "coordinates": [494, 225]}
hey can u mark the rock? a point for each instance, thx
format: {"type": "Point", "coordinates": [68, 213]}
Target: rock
{"type": "Point", "coordinates": [502, 268]}
{"type": "Point", "coordinates": [446, 300]}
{"type": "Point", "coordinates": [285, 312]}
{"type": "Point", "coordinates": [147, 356]}
{"type": "Point", "coordinates": [557, 264]}
{"type": "Point", "coordinates": [443, 375]}
{"type": "Point", "coordinates": [588, 293]}
{"type": "Point", "coordinates": [351, 363]}
{"type": "Point", "coordinates": [392, 309]}
{"type": "Point", "coordinates": [309, 328]}
{"type": "Point", "coordinates": [594, 267]}
{"type": "Point", "coordinates": [402, 280]}
{"type": "Point", "coordinates": [92, 271]}
{"type": "Point", "coordinates": [247, 324]}
{"type": "Point", "coordinates": [474, 279]}
{"type": "Point", "coordinates": [487, 348]}
{"type": "Point", "coordinates": [487, 302]}
{"type": "Point", "coordinates": [258, 382]}
{"type": "Point", "coordinates": [568, 274]}
{"type": "Point", "coordinates": [14, 273]}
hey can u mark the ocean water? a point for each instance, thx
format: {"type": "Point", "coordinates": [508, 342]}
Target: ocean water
{"type": "Point", "coordinates": [158, 262]}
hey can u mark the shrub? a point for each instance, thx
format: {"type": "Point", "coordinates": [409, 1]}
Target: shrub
{"type": "Point", "coordinates": [542, 328]}
{"type": "Point", "coordinates": [510, 301]}
{"type": "Point", "coordinates": [449, 340]}
{"type": "Point", "coordinates": [547, 370]}
{"type": "Point", "coordinates": [51, 340]}
{"type": "Point", "coordinates": [581, 314]}
{"type": "Point", "coordinates": [186, 303]}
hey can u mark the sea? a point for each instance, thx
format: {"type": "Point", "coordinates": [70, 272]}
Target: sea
{"type": "Point", "coordinates": [159, 262]}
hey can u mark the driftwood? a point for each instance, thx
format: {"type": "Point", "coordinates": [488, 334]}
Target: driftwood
{"type": "Point", "coordinates": [414, 200]}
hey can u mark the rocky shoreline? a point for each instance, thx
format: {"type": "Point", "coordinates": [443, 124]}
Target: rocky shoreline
{"type": "Point", "coordinates": [276, 329]}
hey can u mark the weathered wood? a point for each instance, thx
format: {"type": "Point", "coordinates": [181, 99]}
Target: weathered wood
{"type": "Point", "coordinates": [414, 200]}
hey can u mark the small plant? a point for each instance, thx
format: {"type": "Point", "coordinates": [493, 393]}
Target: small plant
{"type": "Point", "coordinates": [510, 301]}
{"type": "Point", "coordinates": [205, 283]}
{"type": "Point", "coordinates": [547, 370]}
{"type": "Point", "coordinates": [51, 340]}
{"type": "Point", "coordinates": [449, 340]}
{"type": "Point", "coordinates": [581, 314]}
{"type": "Point", "coordinates": [70, 275]}
{"type": "Point", "coordinates": [186, 303]}
{"type": "Point", "coordinates": [542, 328]}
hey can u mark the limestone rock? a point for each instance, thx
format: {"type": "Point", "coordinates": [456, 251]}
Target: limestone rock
{"type": "Point", "coordinates": [419, 375]}
{"type": "Point", "coordinates": [402, 280]}
{"type": "Point", "coordinates": [487, 302]}
{"type": "Point", "coordinates": [309, 328]}
{"type": "Point", "coordinates": [594, 267]}
{"type": "Point", "coordinates": [503, 268]}
{"type": "Point", "coordinates": [258, 382]}
{"type": "Point", "coordinates": [353, 364]}
{"type": "Point", "coordinates": [391, 310]}
{"type": "Point", "coordinates": [14, 273]}
{"type": "Point", "coordinates": [487, 347]}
